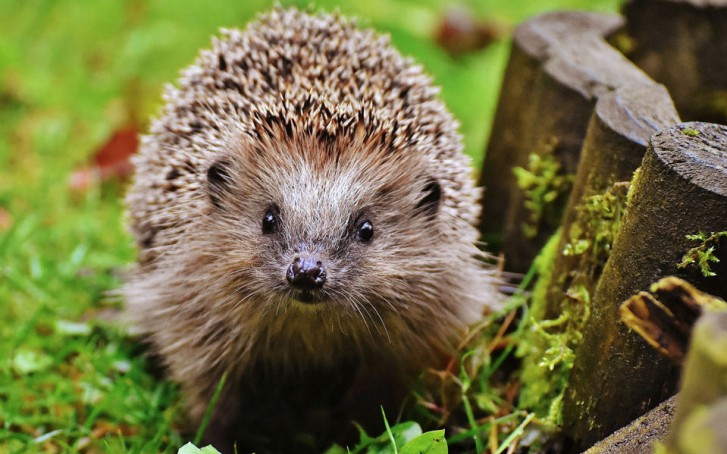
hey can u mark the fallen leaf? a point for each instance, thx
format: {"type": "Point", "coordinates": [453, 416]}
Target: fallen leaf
{"type": "Point", "coordinates": [459, 32]}
{"type": "Point", "coordinates": [110, 162]}
{"type": "Point", "coordinates": [5, 220]}
{"type": "Point", "coordinates": [103, 428]}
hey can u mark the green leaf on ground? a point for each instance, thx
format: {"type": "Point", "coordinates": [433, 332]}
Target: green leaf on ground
{"type": "Point", "coordinates": [432, 442]}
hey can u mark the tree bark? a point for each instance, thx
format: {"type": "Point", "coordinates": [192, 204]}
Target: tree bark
{"type": "Point", "coordinates": [681, 189]}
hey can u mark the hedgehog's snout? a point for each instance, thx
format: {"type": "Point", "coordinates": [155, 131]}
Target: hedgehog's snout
{"type": "Point", "coordinates": [306, 273]}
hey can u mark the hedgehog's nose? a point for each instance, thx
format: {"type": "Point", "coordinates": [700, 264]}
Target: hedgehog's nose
{"type": "Point", "coordinates": [306, 273]}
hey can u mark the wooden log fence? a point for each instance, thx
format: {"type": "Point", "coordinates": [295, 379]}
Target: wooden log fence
{"type": "Point", "coordinates": [681, 44]}
{"type": "Point", "coordinates": [680, 190]}
{"type": "Point", "coordinates": [575, 113]}
{"type": "Point", "coordinates": [559, 65]}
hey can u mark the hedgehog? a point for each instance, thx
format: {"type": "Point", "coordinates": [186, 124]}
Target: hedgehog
{"type": "Point", "coordinates": [305, 220]}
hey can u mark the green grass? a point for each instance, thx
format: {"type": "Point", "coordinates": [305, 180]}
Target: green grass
{"type": "Point", "coordinates": [71, 73]}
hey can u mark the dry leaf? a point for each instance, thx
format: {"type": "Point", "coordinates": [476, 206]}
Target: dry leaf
{"type": "Point", "coordinates": [110, 162]}
{"type": "Point", "coordinates": [459, 32]}
{"type": "Point", "coordinates": [666, 318]}
{"type": "Point", "coordinates": [6, 220]}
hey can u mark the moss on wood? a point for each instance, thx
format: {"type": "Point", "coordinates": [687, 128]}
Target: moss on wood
{"type": "Point", "coordinates": [681, 188]}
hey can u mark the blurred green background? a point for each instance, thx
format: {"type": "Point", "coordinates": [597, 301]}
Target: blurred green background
{"type": "Point", "coordinates": [73, 73]}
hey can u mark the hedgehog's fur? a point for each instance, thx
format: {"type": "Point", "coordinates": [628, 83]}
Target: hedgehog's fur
{"type": "Point", "coordinates": [327, 123]}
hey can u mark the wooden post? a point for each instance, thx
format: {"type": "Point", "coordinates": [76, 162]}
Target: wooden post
{"type": "Point", "coordinates": [640, 436]}
{"type": "Point", "coordinates": [680, 190]}
{"type": "Point", "coordinates": [560, 64]}
{"type": "Point", "coordinates": [683, 44]}
{"type": "Point", "coordinates": [701, 410]}
{"type": "Point", "coordinates": [614, 147]}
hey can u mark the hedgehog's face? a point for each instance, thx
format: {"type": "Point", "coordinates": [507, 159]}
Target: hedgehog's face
{"type": "Point", "coordinates": [357, 234]}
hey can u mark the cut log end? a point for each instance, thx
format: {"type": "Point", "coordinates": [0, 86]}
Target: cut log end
{"type": "Point", "coordinates": [696, 151]}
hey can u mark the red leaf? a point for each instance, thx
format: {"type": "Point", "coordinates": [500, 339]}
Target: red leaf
{"type": "Point", "coordinates": [115, 153]}
{"type": "Point", "coordinates": [458, 32]}
{"type": "Point", "coordinates": [6, 220]}
{"type": "Point", "coordinates": [110, 162]}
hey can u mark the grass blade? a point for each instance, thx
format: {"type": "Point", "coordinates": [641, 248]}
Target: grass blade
{"type": "Point", "coordinates": [210, 408]}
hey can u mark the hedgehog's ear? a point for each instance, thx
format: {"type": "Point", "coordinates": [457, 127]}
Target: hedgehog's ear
{"type": "Point", "coordinates": [218, 181]}
{"type": "Point", "coordinates": [430, 197]}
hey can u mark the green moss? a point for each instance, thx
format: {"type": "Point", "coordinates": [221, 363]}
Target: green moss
{"type": "Point", "coordinates": [547, 357]}
{"type": "Point", "coordinates": [632, 186]}
{"type": "Point", "coordinates": [543, 264]}
{"type": "Point", "coordinates": [690, 132]}
{"type": "Point", "coordinates": [598, 221]}
{"type": "Point", "coordinates": [544, 185]}
{"type": "Point", "coordinates": [548, 350]}
{"type": "Point", "coordinates": [702, 255]}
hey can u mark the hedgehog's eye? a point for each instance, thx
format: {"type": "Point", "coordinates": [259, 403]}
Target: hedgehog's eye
{"type": "Point", "coordinates": [365, 231]}
{"type": "Point", "coordinates": [270, 222]}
